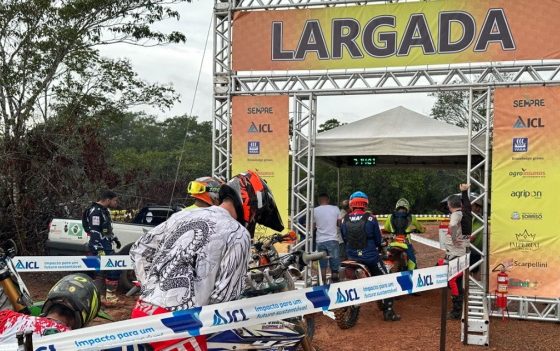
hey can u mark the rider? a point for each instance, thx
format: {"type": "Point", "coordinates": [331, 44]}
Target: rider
{"type": "Point", "coordinates": [403, 222]}
{"type": "Point", "coordinates": [71, 303]}
{"type": "Point", "coordinates": [362, 236]}
{"type": "Point", "coordinates": [96, 221]}
{"type": "Point", "coordinates": [200, 257]}
{"type": "Point", "coordinates": [204, 190]}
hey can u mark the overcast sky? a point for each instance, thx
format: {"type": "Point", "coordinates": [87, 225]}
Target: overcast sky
{"type": "Point", "coordinates": [179, 65]}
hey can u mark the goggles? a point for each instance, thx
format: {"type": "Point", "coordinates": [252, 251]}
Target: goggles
{"type": "Point", "coordinates": [196, 187]}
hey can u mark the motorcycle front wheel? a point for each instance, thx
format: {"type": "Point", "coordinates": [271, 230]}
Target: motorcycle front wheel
{"type": "Point", "coordinates": [347, 317]}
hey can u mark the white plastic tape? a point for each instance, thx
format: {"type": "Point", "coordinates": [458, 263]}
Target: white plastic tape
{"type": "Point", "coordinates": [71, 263]}
{"type": "Point", "coordinates": [242, 313]}
{"type": "Point", "coordinates": [425, 241]}
{"type": "Point", "coordinates": [457, 265]}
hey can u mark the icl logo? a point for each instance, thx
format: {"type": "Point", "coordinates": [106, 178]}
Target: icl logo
{"type": "Point", "coordinates": [27, 265]}
{"type": "Point", "coordinates": [44, 348]}
{"type": "Point", "coordinates": [115, 263]}
{"type": "Point", "coordinates": [231, 317]}
{"type": "Point", "coordinates": [346, 295]}
{"type": "Point", "coordinates": [424, 281]}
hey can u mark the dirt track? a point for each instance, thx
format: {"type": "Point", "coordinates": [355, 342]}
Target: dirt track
{"type": "Point", "coordinates": [419, 328]}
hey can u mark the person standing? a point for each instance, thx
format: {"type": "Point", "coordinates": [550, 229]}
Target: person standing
{"type": "Point", "coordinates": [362, 236]}
{"type": "Point", "coordinates": [326, 218]}
{"type": "Point", "coordinates": [344, 209]}
{"type": "Point", "coordinates": [204, 191]}
{"type": "Point", "coordinates": [96, 221]}
{"type": "Point", "coordinates": [201, 257]}
{"type": "Point", "coordinates": [457, 240]}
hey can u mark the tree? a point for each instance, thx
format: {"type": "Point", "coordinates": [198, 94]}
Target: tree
{"type": "Point", "coordinates": [330, 124]}
{"type": "Point", "coordinates": [50, 66]}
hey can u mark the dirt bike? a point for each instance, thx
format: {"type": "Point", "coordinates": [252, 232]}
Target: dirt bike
{"type": "Point", "coordinates": [347, 317]}
{"type": "Point", "coordinates": [396, 258]}
{"type": "Point", "coordinates": [264, 251]}
{"type": "Point", "coordinates": [286, 335]}
{"type": "Point", "coordinates": [13, 292]}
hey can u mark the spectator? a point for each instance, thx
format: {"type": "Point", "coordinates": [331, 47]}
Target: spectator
{"type": "Point", "coordinates": [200, 257]}
{"type": "Point", "coordinates": [96, 221]}
{"type": "Point", "coordinates": [457, 240]}
{"type": "Point", "coordinates": [344, 209]}
{"type": "Point", "coordinates": [326, 218]}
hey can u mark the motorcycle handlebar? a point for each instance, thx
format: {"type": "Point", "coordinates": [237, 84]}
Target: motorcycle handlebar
{"type": "Point", "coordinates": [313, 256]}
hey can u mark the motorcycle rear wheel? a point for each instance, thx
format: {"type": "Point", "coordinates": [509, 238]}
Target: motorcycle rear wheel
{"type": "Point", "coordinates": [347, 317]}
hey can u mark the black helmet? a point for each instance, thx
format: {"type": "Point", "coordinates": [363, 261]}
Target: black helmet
{"type": "Point", "coordinates": [253, 200]}
{"type": "Point", "coordinates": [77, 293]}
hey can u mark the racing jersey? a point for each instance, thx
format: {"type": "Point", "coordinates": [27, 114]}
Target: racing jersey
{"type": "Point", "coordinates": [12, 322]}
{"type": "Point", "coordinates": [96, 221]}
{"type": "Point", "coordinates": [195, 258]}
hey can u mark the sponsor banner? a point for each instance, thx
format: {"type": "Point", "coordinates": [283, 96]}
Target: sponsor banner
{"type": "Point", "coordinates": [389, 35]}
{"type": "Point", "coordinates": [457, 265]}
{"type": "Point", "coordinates": [242, 313]}
{"type": "Point", "coordinates": [260, 142]}
{"type": "Point", "coordinates": [71, 263]}
{"type": "Point", "coordinates": [525, 176]}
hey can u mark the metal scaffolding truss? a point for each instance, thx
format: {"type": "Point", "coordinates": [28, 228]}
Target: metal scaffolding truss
{"type": "Point", "coordinates": [399, 80]}
{"type": "Point", "coordinates": [305, 86]}
{"type": "Point", "coordinates": [303, 166]}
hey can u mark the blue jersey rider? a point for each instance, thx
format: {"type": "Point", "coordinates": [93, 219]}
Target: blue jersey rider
{"type": "Point", "coordinates": [362, 236]}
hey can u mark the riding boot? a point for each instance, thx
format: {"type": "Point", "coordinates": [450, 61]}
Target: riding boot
{"type": "Point", "coordinates": [334, 277]}
{"type": "Point", "coordinates": [111, 298]}
{"type": "Point", "coordinates": [389, 313]}
{"type": "Point", "coordinates": [457, 309]}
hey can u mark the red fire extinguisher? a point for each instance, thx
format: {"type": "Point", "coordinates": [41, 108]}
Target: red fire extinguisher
{"type": "Point", "coordinates": [501, 288]}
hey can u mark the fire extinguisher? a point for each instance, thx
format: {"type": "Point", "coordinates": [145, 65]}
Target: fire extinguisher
{"type": "Point", "coordinates": [502, 287]}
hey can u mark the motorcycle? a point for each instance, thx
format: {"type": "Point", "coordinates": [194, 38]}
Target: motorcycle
{"type": "Point", "coordinates": [277, 276]}
{"type": "Point", "coordinates": [347, 317]}
{"type": "Point", "coordinates": [395, 258]}
{"type": "Point", "coordinates": [264, 251]}
{"type": "Point", "coordinates": [13, 292]}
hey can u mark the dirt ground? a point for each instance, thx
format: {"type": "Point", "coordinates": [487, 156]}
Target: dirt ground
{"type": "Point", "coordinates": [419, 328]}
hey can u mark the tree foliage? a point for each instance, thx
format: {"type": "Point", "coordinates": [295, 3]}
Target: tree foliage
{"type": "Point", "coordinates": [53, 81]}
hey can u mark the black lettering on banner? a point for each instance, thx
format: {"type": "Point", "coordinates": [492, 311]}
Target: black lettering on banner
{"type": "Point", "coordinates": [387, 38]}
{"type": "Point", "coordinates": [348, 39]}
{"type": "Point", "coordinates": [312, 40]}
{"type": "Point", "coordinates": [466, 21]}
{"type": "Point", "coordinates": [495, 29]}
{"type": "Point", "coordinates": [278, 53]}
{"type": "Point", "coordinates": [417, 33]}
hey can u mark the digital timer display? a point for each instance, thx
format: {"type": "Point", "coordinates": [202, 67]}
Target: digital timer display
{"type": "Point", "coordinates": [362, 161]}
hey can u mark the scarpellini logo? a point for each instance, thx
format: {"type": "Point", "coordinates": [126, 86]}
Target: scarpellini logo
{"type": "Point", "coordinates": [527, 173]}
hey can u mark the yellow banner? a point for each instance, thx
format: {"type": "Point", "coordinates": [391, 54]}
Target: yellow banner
{"type": "Point", "coordinates": [403, 34]}
{"type": "Point", "coordinates": [525, 192]}
{"type": "Point", "coordinates": [260, 142]}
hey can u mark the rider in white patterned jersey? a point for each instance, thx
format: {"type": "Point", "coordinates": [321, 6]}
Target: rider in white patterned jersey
{"type": "Point", "coordinates": [200, 257]}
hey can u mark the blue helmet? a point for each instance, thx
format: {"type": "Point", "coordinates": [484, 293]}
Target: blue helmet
{"type": "Point", "coordinates": [358, 199]}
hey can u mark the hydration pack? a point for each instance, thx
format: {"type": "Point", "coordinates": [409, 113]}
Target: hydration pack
{"type": "Point", "coordinates": [356, 232]}
{"type": "Point", "coordinates": [400, 221]}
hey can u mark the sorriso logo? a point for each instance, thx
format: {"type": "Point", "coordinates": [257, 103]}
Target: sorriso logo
{"type": "Point", "coordinates": [527, 194]}
{"type": "Point", "coordinates": [520, 144]}
{"type": "Point", "coordinates": [527, 216]}
{"type": "Point", "coordinates": [254, 147]}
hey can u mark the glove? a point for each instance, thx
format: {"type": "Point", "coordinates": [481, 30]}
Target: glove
{"type": "Point", "coordinates": [100, 253]}
{"type": "Point", "coordinates": [117, 241]}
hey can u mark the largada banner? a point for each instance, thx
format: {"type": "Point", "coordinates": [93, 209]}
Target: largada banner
{"type": "Point", "coordinates": [260, 142]}
{"type": "Point", "coordinates": [402, 34]}
{"type": "Point", "coordinates": [525, 235]}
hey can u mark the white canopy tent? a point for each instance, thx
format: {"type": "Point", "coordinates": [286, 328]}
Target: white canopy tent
{"type": "Point", "coordinates": [397, 137]}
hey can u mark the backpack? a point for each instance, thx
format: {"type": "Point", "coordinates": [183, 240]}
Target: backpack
{"type": "Point", "coordinates": [356, 235]}
{"type": "Point", "coordinates": [400, 221]}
